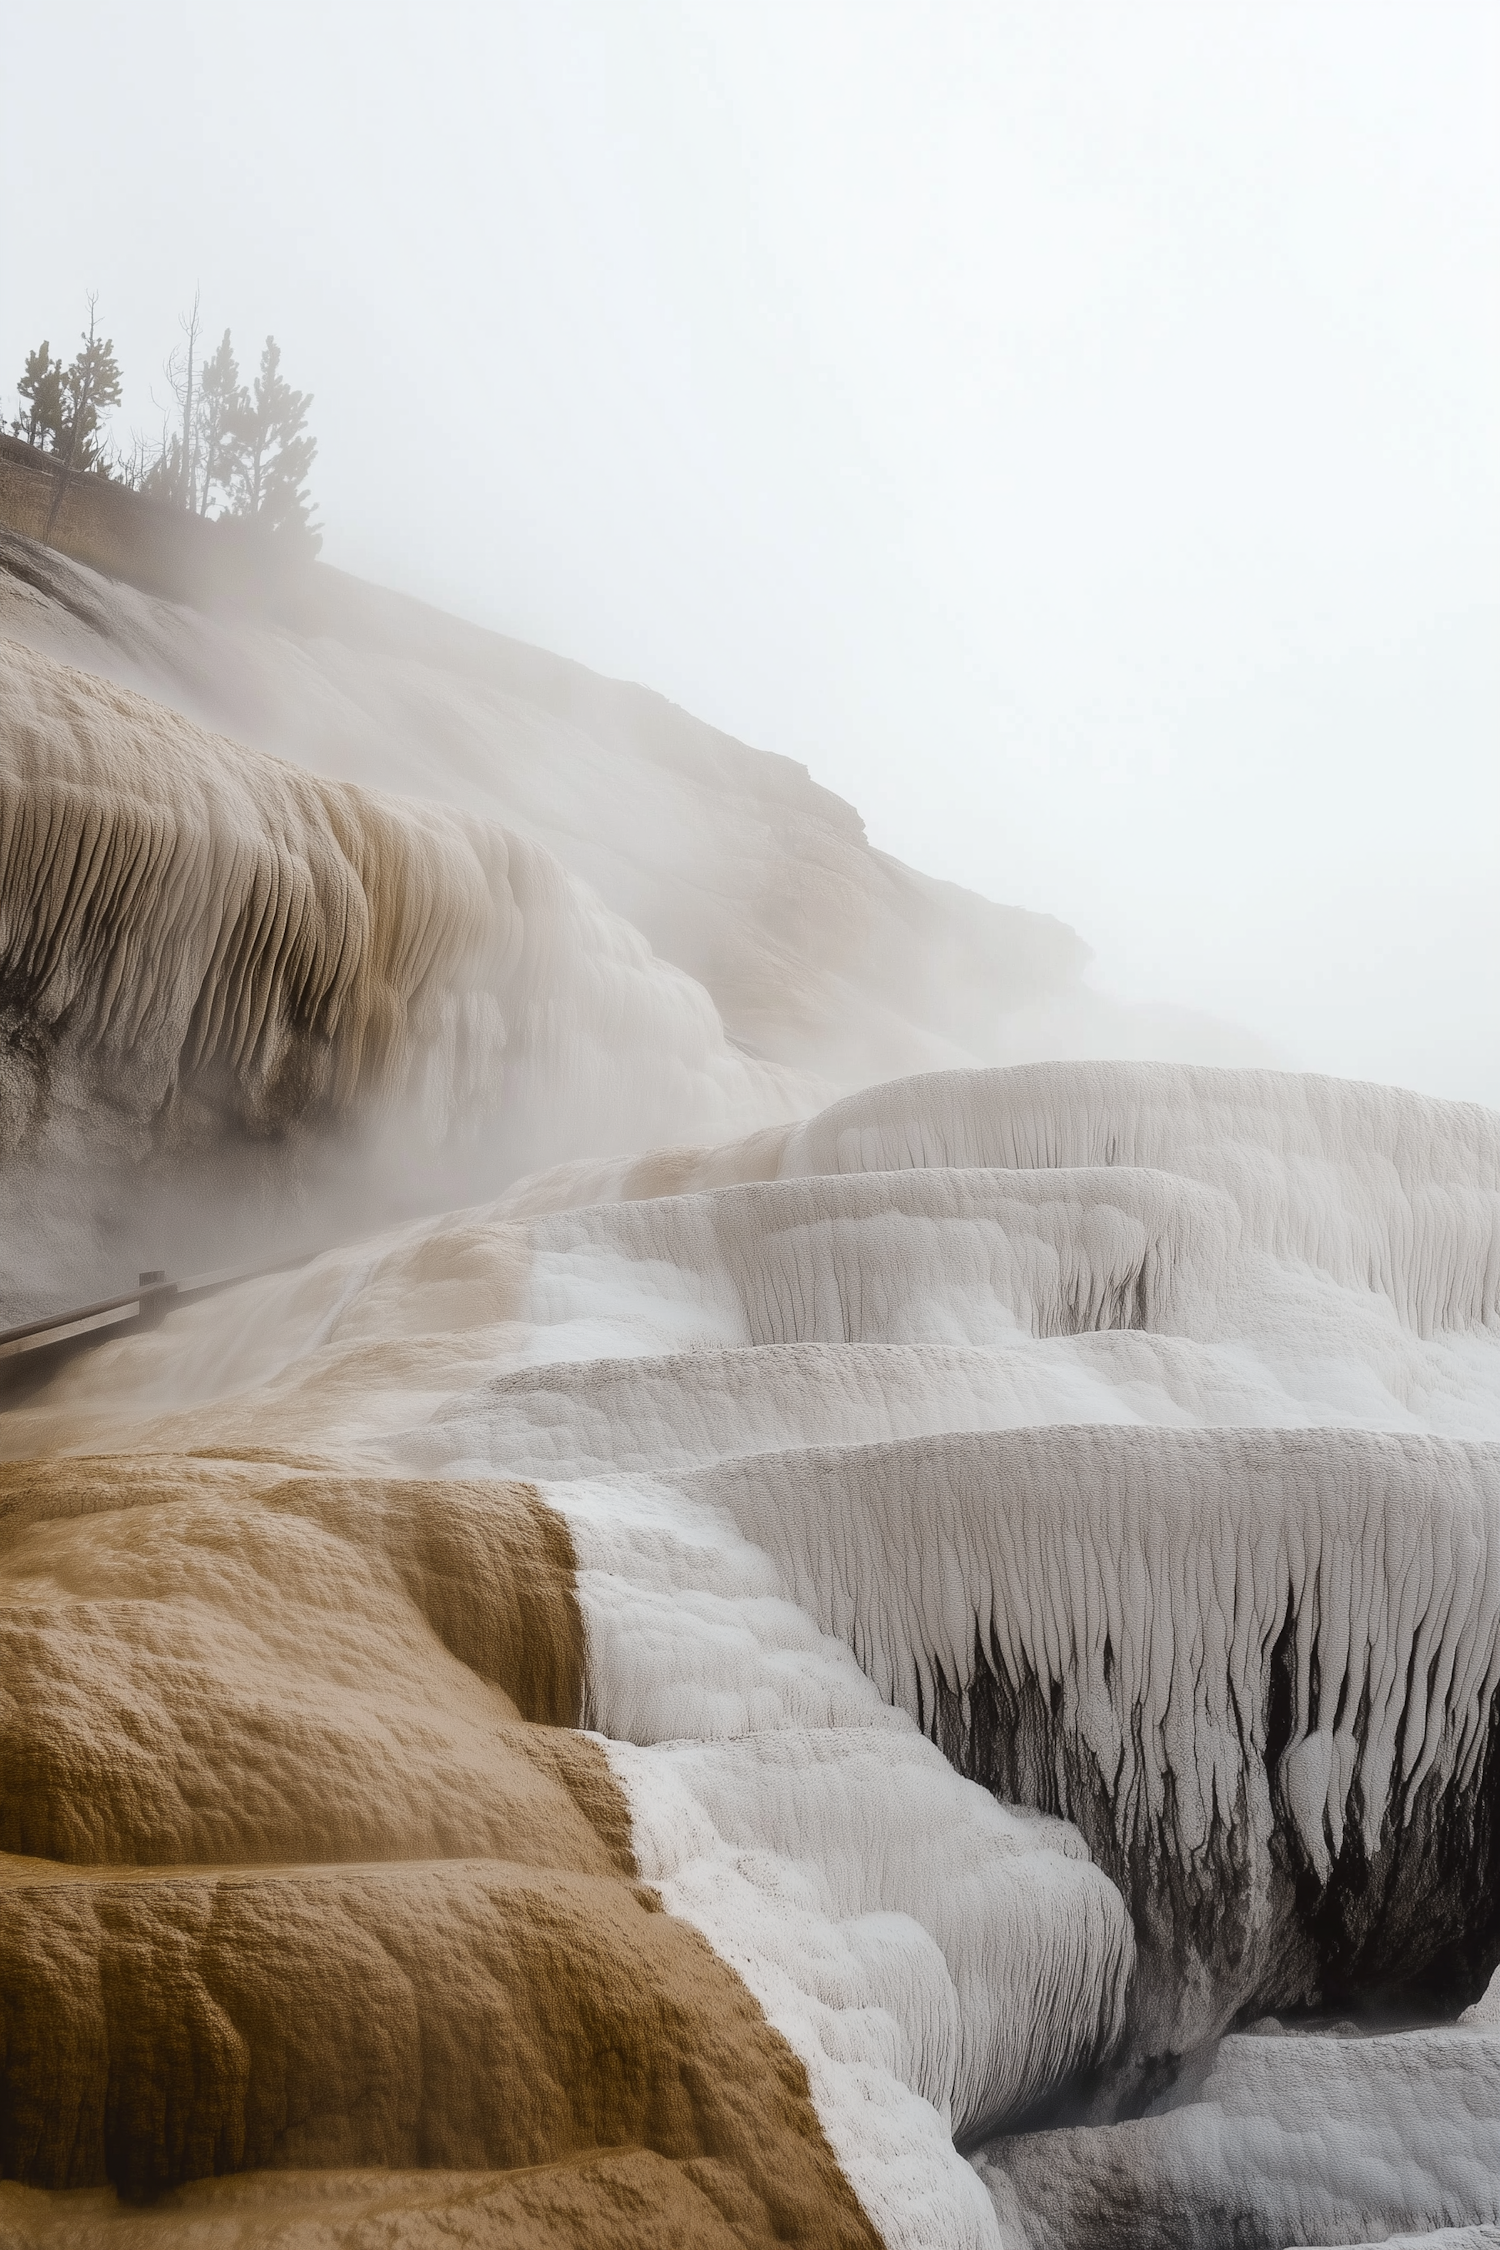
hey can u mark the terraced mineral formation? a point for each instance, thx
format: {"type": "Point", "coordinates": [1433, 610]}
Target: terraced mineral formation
{"type": "Point", "coordinates": [923, 1675]}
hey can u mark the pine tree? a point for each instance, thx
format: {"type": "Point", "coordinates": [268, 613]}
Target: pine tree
{"type": "Point", "coordinates": [223, 409]}
{"type": "Point", "coordinates": [249, 451]}
{"type": "Point", "coordinates": [40, 393]}
{"type": "Point", "coordinates": [90, 386]}
{"type": "Point", "coordinates": [276, 454]}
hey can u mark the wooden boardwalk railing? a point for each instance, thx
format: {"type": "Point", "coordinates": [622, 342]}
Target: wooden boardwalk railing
{"type": "Point", "coordinates": [31, 1353]}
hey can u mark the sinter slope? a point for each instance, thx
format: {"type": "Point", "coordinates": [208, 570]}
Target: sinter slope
{"type": "Point", "coordinates": [830, 960]}
{"type": "Point", "coordinates": [662, 1707]}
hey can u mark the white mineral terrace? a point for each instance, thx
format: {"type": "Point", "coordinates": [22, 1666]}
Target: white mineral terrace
{"type": "Point", "coordinates": [1035, 1525]}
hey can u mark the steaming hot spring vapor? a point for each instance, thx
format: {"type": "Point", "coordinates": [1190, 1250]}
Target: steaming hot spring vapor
{"type": "Point", "coordinates": [799, 1622]}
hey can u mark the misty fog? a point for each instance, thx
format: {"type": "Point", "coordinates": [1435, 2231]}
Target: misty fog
{"type": "Point", "coordinates": [1070, 431]}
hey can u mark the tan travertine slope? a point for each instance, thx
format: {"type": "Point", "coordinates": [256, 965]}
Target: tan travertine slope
{"type": "Point", "coordinates": [628, 2199]}
{"type": "Point", "coordinates": [307, 1866]}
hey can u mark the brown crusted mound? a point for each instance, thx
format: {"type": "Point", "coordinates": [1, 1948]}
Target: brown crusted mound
{"type": "Point", "coordinates": [231, 1662]}
{"type": "Point", "coordinates": [488, 1565]}
{"type": "Point", "coordinates": [217, 1667]}
{"type": "Point", "coordinates": [460, 2014]}
{"type": "Point", "coordinates": [626, 2199]}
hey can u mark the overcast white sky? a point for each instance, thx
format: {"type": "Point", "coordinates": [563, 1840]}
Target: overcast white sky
{"type": "Point", "coordinates": [1071, 429]}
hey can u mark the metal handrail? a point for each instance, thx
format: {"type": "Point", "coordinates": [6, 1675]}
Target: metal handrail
{"type": "Point", "coordinates": [145, 1306]}
{"type": "Point", "coordinates": [11, 1337]}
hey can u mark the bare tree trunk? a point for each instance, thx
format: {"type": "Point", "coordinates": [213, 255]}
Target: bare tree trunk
{"type": "Point", "coordinates": [189, 325]}
{"type": "Point", "coordinates": [80, 408]}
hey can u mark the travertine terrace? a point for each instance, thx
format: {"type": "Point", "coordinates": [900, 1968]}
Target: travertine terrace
{"type": "Point", "coordinates": [828, 1619]}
